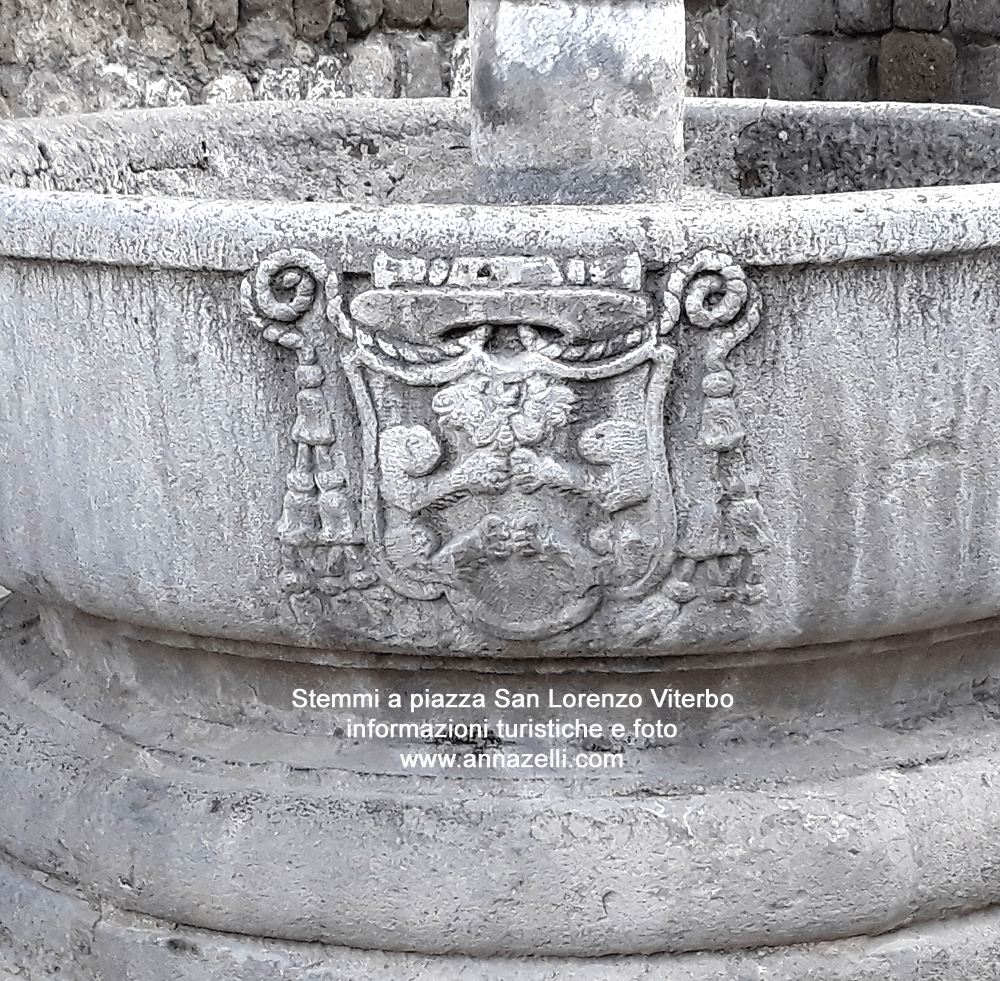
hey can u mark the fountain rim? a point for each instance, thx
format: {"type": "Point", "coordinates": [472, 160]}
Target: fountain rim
{"type": "Point", "coordinates": [168, 233]}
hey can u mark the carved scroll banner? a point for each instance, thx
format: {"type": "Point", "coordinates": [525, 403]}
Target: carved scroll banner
{"type": "Point", "coordinates": [488, 431]}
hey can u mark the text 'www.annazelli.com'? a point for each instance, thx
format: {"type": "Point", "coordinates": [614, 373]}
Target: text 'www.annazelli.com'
{"type": "Point", "coordinates": [554, 759]}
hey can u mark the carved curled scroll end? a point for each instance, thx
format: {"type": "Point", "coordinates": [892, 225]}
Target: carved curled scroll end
{"type": "Point", "coordinates": [279, 293]}
{"type": "Point", "coordinates": [286, 284]}
{"type": "Point", "coordinates": [715, 295]}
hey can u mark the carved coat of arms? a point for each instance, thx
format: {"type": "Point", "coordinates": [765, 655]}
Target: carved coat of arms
{"type": "Point", "coordinates": [489, 431]}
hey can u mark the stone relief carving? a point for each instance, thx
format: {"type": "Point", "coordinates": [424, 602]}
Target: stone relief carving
{"type": "Point", "coordinates": [489, 432]}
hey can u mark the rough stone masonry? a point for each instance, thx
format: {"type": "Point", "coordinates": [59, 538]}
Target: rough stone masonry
{"type": "Point", "coordinates": [109, 54]}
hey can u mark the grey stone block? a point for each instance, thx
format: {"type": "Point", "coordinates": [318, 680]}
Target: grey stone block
{"type": "Point", "coordinates": [790, 18]}
{"type": "Point", "coordinates": [794, 66]}
{"type": "Point", "coordinates": [746, 59]}
{"type": "Point", "coordinates": [49, 94]}
{"type": "Point", "coordinates": [920, 15]}
{"type": "Point", "coordinates": [916, 67]}
{"type": "Point", "coordinates": [707, 44]}
{"type": "Point", "coordinates": [975, 17]}
{"type": "Point", "coordinates": [360, 16]}
{"type": "Point", "coordinates": [119, 88]}
{"type": "Point", "coordinates": [173, 15]}
{"type": "Point", "coordinates": [231, 87]}
{"type": "Point", "coordinates": [279, 85]}
{"type": "Point", "coordinates": [460, 64]}
{"type": "Point", "coordinates": [371, 71]}
{"type": "Point", "coordinates": [420, 67]}
{"type": "Point", "coordinates": [979, 75]}
{"type": "Point", "coordinates": [850, 70]}
{"type": "Point", "coordinates": [450, 15]}
{"type": "Point", "coordinates": [407, 13]}
{"type": "Point", "coordinates": [221, 16]}
{"type": "Point", "coordinates": [313, 18]}
{"type": "Point", "coordinates": [162, 92]}
{"type": "Point", "coordinates": [776, 68]}
{"type": "Point", "coordinates": [864, 16]}
{"type": "Point", "coordinates": [266, 40]}
{"type": "Point", "coordinates": [325, 79]}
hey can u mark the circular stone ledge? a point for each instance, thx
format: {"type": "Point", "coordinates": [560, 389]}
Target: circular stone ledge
{"type": "Point", "coordinates": [231, 236]}
{"type": "Point", "coordinates": [55, 933]}
{"type": "Point", "coordinates": [241, 827]}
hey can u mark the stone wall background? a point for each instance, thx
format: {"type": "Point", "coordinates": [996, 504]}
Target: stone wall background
{"type": "Point", "coordinates": [895, 50]}
{"type": "Point", "coordinates": [64, 56]}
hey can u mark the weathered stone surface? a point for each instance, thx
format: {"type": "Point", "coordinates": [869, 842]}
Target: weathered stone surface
{"type": "Point", "coordinates": [461, 68]}
{"type": "Point", "coordinates": [283, 152]}
{"type": "Point", "coordinates": [266, 39]}
{"type": "Point", "coordinates": [361, 16]}
{"type": "Point", "coordinates": [791, 18]}
{"type": "Point", "coordinates": [864, 16]}
{"type": "Point", "coordinates": [779, 68]}
{"type": "Point", "coordinates": [975, 17]}
{"type": "Point", "coordinates": [221, 16]}
{"type": "Point", "coordinates": [231, 87]}
{"type": "Point", "coordinates": [874, 784]}
{"type": "Point", "coordinates": [325, 79]}
{"type": "Point", "coordinates": [162, 92]}
{"type": "Point", "coordinates": [728, 45]}
{"type": "Point", "coordinates": [118, 88]}
{"type": "Point", "coordinates": [47, 94]}
{"type": "Point", "coordinates": [794, 68]}
{"type": "Point", "coordinates": [280, 84]}
{"type": "Point", "coordinates": [450, 15]}
{"type": "Point", "coordinates": [371, 71]}
{"type": "Point", "coordinates": [420, 67]}
{"type": "Point", "coordinates": [820, 150]}
{"type": "Point", "coordinates": [921, 15]}
{"type": "Point", "coordinates": [979, 75]}
{"type": "Point", "coordinates": [707, 53]}
{"type": "Point", "coordinates": [406, 13]}
{"type": "Point", "coordinates": [313, 18]}
{"type": "Point", "coordinates": [52, 928]}
{"type": "Point", "coordinates": [916, 68]}
{"type": "Point", "coordinates": [793, 233]}
{"type": "Point", "coordinates": [850, 70]}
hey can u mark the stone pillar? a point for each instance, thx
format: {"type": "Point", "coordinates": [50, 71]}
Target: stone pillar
{"type": "Point", "coordinates": [577, 103]}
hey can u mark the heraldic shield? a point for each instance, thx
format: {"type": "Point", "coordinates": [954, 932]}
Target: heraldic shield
{"type": "Point", "coordinates": [513, 437]}
{"type": "Point", "coordinates": [489, 432]}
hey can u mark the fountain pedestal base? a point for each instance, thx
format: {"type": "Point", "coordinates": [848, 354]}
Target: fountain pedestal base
{"type": "Point", "coordinates": [149, 840]}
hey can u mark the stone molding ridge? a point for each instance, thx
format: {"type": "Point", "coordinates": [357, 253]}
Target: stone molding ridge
{"type": "Point", "coordinates": [166, 233]}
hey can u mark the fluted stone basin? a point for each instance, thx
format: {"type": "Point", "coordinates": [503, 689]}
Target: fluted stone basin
{"type": "Point", "coordinates": [285, 410]}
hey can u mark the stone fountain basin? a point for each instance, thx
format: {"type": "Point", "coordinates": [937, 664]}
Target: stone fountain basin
{"type": "Point", "coordinates": [147, 428]}
{"type": "Point", "coordinates": [146, 422]}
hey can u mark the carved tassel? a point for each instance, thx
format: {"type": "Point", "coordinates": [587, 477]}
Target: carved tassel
{"type": "Point", "coordinates": [299, 516]}
{"type": "Point", "coordinates": [313, 425]}
{"type": "Point", "coordinates": [721, 428]}
{"type": "Point", "coordinates": [339, 525]}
